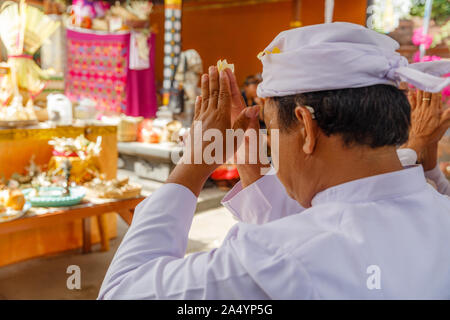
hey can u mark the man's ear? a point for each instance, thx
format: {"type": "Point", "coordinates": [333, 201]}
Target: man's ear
{"type": "Point", "coordinates": [309, 129]}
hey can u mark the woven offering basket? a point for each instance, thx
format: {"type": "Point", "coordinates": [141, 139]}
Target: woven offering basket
{"type": "Point", "coordinates": [127, 129]}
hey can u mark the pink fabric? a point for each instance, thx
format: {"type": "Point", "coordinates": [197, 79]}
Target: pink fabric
{"type": "Point", "coordinates": [97, 68]}
{"type": "Point", "coordinates": [141, 88]}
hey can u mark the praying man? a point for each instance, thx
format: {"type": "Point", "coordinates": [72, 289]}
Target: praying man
{"type": "Point", "coordinates": [338, 215]}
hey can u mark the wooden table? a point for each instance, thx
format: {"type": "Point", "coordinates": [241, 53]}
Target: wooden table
{"type": "Point", "coordinates": [84, 211]}
{"type": "Point", "coordinates": [17, 147]}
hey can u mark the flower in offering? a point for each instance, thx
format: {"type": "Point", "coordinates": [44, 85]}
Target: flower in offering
{"type": "Point", "coordinates": [223, 64]}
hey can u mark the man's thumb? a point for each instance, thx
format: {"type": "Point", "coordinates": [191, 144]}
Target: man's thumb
{"type": "Point", "coordinates": [245, 117]}
{"type": "Point", "coordinates": [445, 118]}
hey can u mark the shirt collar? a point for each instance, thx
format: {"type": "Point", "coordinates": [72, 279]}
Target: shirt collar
{"type": "Point", "coordinates": [388, 185]}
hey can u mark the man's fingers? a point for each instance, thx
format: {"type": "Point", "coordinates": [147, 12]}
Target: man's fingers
{"type": "Point", "coordinates": [233, 82]}
{"type": "Point", "coordinates": [205, 91]}
{"type": "Point", "coordinates": [213, 87]}
{"type": "Point", "coordinates": [242, 121]}
{"type": "Point", "coordinates": [436, 102]}
{"type": "Point", "coordinates": [426, 99]}
{"type": "Point", "coordinates": [224, 103]}
{"type": "Point", "coordinates": [444, 124]}
{"type": "Point", "coordinates": [419, 95]}
{"type": "Point", "coordinates": [198, 107]}
{"type": "Point", "coordinates": [236, 96]}
{"type": "Point", "coordinates": [445, 118]}
{"type": "Point", "coordinates": [412, 99]}
{"type": "Point", "coordinates": [246, 118]}
{"type": "Point", "coordinates": [254, 123]}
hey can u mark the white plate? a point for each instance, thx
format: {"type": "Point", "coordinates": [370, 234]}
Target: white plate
{"type": "Point", "coordinates": [12, 214]}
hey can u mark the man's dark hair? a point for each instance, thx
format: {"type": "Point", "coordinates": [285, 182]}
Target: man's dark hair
{"type": "Point", "coordinates": [374, 116]}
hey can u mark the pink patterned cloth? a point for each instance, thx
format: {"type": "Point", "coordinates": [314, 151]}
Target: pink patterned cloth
{"type": "Point", "coordinates": [97, 68]}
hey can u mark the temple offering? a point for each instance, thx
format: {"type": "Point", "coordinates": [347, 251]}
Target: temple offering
{"type": "Point", "coordinates": [113, 189]}
{"type": "Point", "coordinates": [12, 202]}
{"type": "Point", "coordinates": [82, 155]}
{"type": "Point", "coordinates": [223, 64]}
{"type": "Point", "coordinates": [23, 29]}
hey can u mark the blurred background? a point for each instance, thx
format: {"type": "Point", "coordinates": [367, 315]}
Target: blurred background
{"type": "Point", "coordinates": [96, 97]}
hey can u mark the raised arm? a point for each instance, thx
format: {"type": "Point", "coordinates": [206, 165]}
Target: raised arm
{"type": "Point", "coordinates": [150, 263]}
{"type": "Point", "coordinates": [429, 122]}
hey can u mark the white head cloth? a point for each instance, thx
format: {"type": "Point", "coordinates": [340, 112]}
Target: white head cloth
{"type": "Point", "coordinates": [341, 55]}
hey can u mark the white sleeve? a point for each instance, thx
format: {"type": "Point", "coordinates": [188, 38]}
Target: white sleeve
{"type": "Point", "coordinates": [438, 177]}
{"type": "Point", "coordinates": [263, 201]}
{"type": "Point", "coordinates": [150, 263]}
{"type": "Point", "coordinates": [266, 199]}
{"type": "Point", "coordinates": [409, 157]}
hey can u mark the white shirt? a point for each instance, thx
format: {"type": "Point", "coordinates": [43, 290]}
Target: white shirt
{"type": "Point", "coordinates": [390, 231]}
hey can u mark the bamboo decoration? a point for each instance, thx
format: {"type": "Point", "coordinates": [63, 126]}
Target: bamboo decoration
{"type": "Point", "coordinates": [23, 29]}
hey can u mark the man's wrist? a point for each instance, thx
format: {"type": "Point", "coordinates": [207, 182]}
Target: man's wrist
{"type": "Point", "coordinates": [249, 173]}
{"type": "Point", "coordinates": [417, 144]}
{"type": "Point", "coordinates": [192, 176]}
{"type": "Point", "coordinates": [429, 157]}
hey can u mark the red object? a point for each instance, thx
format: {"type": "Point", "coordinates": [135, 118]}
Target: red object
{"type": "Point", "coordinates": [86, 23]}
{"type": "Point", "coordinates": [225, 173]}
{"type": "Point", "coordinates": [61, 154]}
{"type": "Point", "coordinates": [145, 126]}
{"type": "Point", "coordinates": [154, 137]}
{"type": "Point", "coordinates": [26, 56]}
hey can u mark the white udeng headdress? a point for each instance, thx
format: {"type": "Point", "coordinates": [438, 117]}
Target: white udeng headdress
{"type": "Point", "coordinates": [341, 55]}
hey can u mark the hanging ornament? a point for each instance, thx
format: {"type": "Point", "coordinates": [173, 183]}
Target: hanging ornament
{"type": "Point", "coordinates": [172, 45]}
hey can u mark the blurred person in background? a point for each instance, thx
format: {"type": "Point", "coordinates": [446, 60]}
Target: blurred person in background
{"type": "Point", "coordinates": [249, 91]}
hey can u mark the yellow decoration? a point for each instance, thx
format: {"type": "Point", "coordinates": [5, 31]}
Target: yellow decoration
{"type": "Point", "coordinates": [83, 170]}
{"type": "Point", "coordinates": [20, 134]}
{"type": "Point", "coordinates": [23, 29]}
{"type": "Point", "coordinates": [223, 64]}
{"type": "Point", "coordinates": [166, 97]}
{"type": "Point", "coordinates": [6, 85]}
{"type": "Point", "coordinates": [295, 24]}
{"type": "Point", "coordinates": [173, 2]}
{"type": "Point", "coordinates": [82, 154]}
{"type": "Point", "coordinates": [275, 50]}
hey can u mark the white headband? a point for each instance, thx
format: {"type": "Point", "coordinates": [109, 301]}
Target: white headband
{"type": "Point", "coordinates": [341, 55]}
